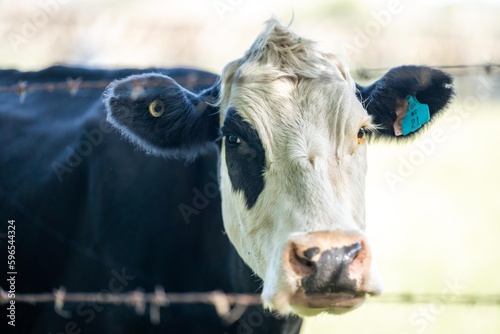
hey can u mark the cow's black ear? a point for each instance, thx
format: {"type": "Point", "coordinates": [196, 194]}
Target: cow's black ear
{"type": "Point", "coordinates": [406, 98]}
{"type": "Point", "coordinates": [160, 116]}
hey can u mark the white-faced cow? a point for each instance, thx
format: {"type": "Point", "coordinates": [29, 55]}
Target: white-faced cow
{"type": "Point", "coordinates": [281, 134]}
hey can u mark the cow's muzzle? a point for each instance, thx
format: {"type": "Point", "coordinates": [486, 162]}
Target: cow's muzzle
{"type": "Point", "coordinates": [332, 270]}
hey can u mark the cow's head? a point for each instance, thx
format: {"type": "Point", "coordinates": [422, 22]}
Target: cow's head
{"type": "Point", "coordinates": [291, 125]}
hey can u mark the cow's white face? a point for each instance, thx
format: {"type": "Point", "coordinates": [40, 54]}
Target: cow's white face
{"type": "Point", "coordinates": [293, 161]}
{"type": "Point", "coordinates": [293, 158]}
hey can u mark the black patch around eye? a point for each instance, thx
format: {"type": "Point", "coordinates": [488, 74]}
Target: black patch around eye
{"type": "Point", "coordinates": [232, 140]}
{"type": "Point", "coordinates": [246, 160]}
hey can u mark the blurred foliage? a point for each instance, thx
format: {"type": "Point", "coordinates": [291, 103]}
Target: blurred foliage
{"type": "Point", "coordinates": [210, 33]}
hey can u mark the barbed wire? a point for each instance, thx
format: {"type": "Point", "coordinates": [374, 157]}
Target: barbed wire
{"type": "Point", "coordinates": [486, 68]}
{"type": "Point", "coordinates": [220, 299]}
{"type": "Point", "coordinates": [163, 298]}
{"type": "Point", "coordinates": [22, 88]}
{"type": "Point", "coordinates": [139, 300]}
{"type": "Point", "coordinates": [229, 306]}
{"type": "Point", "coordinates": [73, 85]}
{"type": "Point", "coordinates": [427, 298]}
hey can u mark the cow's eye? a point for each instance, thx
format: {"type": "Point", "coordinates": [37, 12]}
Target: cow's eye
{"type": "Point", "coordinates": [156, 108]}
{"type": "Point", "coordinates": [233, 140]}
{"type": "Point", "coordinates": [361, 135]}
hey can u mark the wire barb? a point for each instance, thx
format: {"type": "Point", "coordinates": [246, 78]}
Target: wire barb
{"type": "Point", "coordinates": [220, 302]}
{"type": "Point", "coordinates": [59, 295]}
{"type": "Point", "coordinates": [21, 89]}
{"type": "Point", "coordinates": [74, 85]}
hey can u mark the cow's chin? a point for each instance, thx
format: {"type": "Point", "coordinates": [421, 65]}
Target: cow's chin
{"type": "Point", "coordinates": [306, 305]}
{"type": "Point", "coordinates": [331, 303]}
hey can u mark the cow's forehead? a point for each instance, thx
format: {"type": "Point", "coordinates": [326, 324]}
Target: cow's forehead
{"type": "Point", "coordinates": [284, 86]}
{"type": "Point", "coordinates": [288, 113]}
{"type": "Point", "coordinates": [278, 52]}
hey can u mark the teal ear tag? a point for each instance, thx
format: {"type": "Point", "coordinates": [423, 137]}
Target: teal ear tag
{"type": "Point", "coordinates": [416, 116]}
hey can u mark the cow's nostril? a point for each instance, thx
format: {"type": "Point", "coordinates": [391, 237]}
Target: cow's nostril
{"type": "Point", "coordinates": [305, 262]}
{"type": "Point", "coordinates": [352, 251]}
{"type": "Point", "coordinates": [301, 261]}
{"type": "Point", "coordinates": [311, 252]}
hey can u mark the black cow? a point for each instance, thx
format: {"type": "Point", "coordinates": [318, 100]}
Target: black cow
{"type": "Point", "coordinates": [93, 213]}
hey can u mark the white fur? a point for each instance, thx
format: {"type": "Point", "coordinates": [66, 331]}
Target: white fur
{"type": "Point", "coordinates": [302, 103]}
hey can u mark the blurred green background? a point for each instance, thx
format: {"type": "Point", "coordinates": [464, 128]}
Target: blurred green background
{"type": "Point", "coordinates": [433, 206]}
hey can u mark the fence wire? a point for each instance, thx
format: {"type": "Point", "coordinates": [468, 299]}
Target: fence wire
{"type": "Point", "coordinates": [458, 70]}
{"type": "Point", "coordinates": [73, 85]}
{"type": "Point", "coordinates": [221, 301]}
{"type": "Point", "coordinates": [229, 306]}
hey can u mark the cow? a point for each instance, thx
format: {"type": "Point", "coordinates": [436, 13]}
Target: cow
{"type": "Point", "coordinates": [253, 181]}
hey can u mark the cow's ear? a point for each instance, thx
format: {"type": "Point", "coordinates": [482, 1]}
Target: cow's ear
{"type": "Point", "coordinates": [405, 99]}
{"type": "Point", "coordinates": [161, 117]}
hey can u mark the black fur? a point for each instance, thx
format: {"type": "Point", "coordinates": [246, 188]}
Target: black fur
{"type": "Point", "coordinates": [110, 219]}
{"type": "Point", "coordinates": [245, 161]}
{"type": "Point", "coordinates": [431, 86]}
{"type": "Point", "coordinates": [188, 124]}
